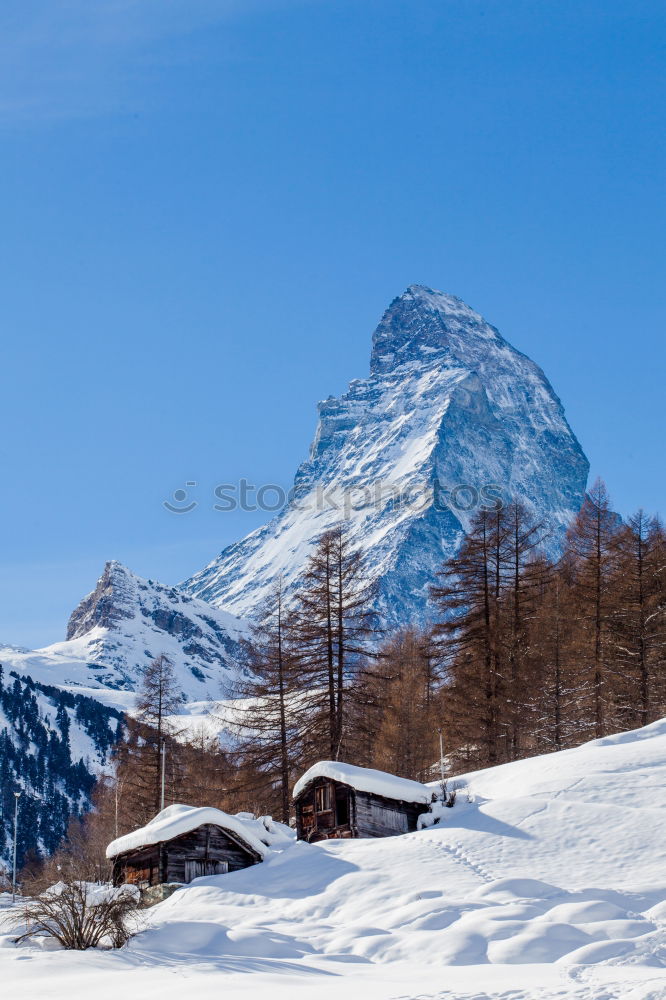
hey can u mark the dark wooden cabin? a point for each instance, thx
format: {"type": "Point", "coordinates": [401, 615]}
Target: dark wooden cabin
{"type": "Point", "coordinates": [209, 848]}
{"type": "Point", "coordinates": [328, 807]}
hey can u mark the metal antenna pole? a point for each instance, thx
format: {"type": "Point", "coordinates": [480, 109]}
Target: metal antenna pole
{"type": "Point", "coordinates": [17, 796]}
{"type": "Point", "coordinates": [163, 754]}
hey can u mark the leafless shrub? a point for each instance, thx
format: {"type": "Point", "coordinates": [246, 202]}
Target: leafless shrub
{"type": "Point", "coordinates": [448, 793]}
{"type": "Point", "coordinates": [78, 915]}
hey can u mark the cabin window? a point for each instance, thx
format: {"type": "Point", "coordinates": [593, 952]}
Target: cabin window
{"type": "Point", "coordinates": [323, 798]}
{"type": "Point", "coordinates": [341, 807]}
{"type": "Point", "coordinates": [196, 869]}
{"type": "Point", "coordinates": [142, 877]}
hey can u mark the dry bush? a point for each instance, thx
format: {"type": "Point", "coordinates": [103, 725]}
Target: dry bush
{"type": "Point", "coordinates": [78, 915]}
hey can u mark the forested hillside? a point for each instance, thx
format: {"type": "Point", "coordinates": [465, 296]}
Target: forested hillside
{"type": "Point", "coordinates": [53, 744]}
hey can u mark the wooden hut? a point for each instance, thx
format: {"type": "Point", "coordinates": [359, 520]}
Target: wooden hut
{"type": "Point", "coordinates": [335, 800]}
{"type": "Point", "coordinates": [183, 843]}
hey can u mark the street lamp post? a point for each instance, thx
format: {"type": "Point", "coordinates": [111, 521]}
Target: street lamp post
{"type": "Point", "coordinates": [162, 770]}
{"type": "Point", "coordinates": [441, 758]}
{"type": "Point", "coordinates": [17, 796]}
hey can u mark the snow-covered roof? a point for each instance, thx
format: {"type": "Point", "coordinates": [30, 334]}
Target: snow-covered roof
{"type": "Point", "coordinates": [177, 819]}
{"type": "Point", "coordinates": [365, 779]}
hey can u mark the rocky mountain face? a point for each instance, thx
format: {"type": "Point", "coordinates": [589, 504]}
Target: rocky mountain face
{"type": "Point", "coordinates": [451, 418]}
{"type": "Point", "coordinates": [127, 621]}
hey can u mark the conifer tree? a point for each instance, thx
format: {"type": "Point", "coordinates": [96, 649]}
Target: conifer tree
{"type": "Point", "coordinates": [404, 740]}
{"type": "Point", "coordinates": [487, 597]}
{"type": "Point", "coordinates": [152, 734]}
{"type": "Point", "coordinates": [591, 552]}
{"type": "Point", "coordinates": [468, 642]}
{"type": "Point", "coordinates": [518, 597]}
{"type": "Point", "coordinates": [332, 624]}
{"type": "Point", "coordinates": [267, 717]}
{"type": "Point", "coordinates": [639, 620]}
{"type": "Point", "coordinates": [556, 686]}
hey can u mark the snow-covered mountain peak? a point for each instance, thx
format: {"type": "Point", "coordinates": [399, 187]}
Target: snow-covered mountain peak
{"type": "Point", "coordinates": [123, 624]}
{"type": "Point", "coordinates": [126, 621]}
{"type": "Point", "coordinates": [449, 410]}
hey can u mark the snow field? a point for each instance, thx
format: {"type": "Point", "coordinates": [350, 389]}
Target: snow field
{"type": "Point", "coordinates": [550, 882]}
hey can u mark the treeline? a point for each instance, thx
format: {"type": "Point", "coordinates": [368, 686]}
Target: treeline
{"type": "Point", "coordinates": [296, 704]}
{"type": "Point", "coordinates": [541, 656]}
{"type": "Point", "coordinates": [528, 656]}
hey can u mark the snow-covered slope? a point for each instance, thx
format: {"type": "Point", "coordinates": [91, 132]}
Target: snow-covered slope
{"type": "Point", "coordinates": [549, 883]}
{"type": "Point", "coordinates": [112, 635]}
{"type": "Point", "coordinates": [450, 416]}
{"type": "Point", "coordinates": [124, 624]}
{"type": "Point", "coordinates": [553, 857]}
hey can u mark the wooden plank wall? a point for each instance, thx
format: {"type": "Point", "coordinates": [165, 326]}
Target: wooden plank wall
{"type": "Point", "coordinates": [379, 817]}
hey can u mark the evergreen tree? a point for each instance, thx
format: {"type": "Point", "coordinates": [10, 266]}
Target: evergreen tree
{"type": "Point", "coordinates": [329, 633]}
{"type": "Point", "coordinates": [35, 759]}
{"type": "Point", "coordinates": [638, 624]}
{"type": "Point", "coordinates": [269, 715]}
{"type": "Point", "coordinates": [152, 735]}
{"type": "Point", "coordinates": [591, 554]}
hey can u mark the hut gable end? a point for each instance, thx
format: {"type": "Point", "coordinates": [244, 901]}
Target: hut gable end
{"type": "Point", "coordinates": [208, 850]}
{"type": "Point", "coordinates": [183, 843]}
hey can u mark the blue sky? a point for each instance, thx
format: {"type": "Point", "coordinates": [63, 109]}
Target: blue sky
{"type": "Point", "coordinates": [206, 206]}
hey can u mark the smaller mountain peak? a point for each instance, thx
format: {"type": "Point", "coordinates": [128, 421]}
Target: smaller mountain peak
{"type": "Point", "coordinates": [108, 603]}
